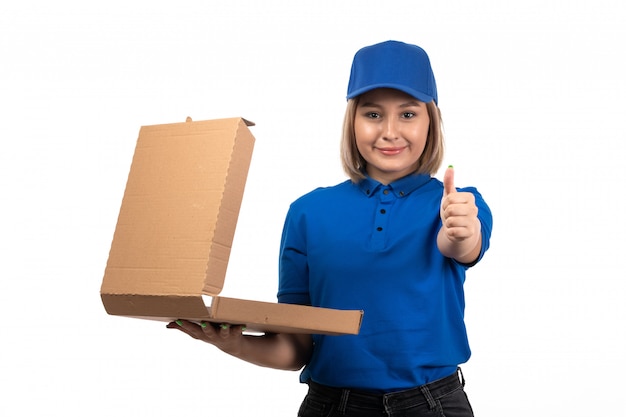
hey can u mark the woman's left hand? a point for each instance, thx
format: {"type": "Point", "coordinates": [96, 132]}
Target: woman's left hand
{"type": "Point", "coordinates": [460, 225]}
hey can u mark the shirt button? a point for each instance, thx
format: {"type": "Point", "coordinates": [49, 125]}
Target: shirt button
{"type": "Point", "coordinates": [383, 211]}
{"type": "Point", "coordinates": [380, 229]}
{"type": "Point", "coordinates": [386, 192]}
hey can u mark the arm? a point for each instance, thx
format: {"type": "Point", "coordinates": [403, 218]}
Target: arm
{"type": "Point", "coordinates": [280, 351]}
{"type": "Point", "coordinates": [460, 235]}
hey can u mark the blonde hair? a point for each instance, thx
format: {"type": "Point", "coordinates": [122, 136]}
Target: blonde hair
{"type": "Point", "coordinates": [428, 163]}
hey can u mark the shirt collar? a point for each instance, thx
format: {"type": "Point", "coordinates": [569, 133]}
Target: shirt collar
{"type": "Point", "coordinates": [401, 188]}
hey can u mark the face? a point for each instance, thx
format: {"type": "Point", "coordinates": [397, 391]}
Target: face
{"type": "Point", "coordinates": [391, 128]}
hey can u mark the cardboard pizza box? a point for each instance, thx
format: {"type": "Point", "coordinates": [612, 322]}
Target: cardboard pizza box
{"type": "Point", "coordinates": [175, 229]}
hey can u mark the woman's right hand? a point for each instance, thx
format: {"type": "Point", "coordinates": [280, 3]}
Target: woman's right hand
{"type": "Point", "coordinates": [224, 336]}
{"type": "Point", "coordinates": [274, 350]}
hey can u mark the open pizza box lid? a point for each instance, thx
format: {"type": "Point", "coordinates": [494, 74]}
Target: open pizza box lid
{"type": "Point", "coordinates": [175, 230]}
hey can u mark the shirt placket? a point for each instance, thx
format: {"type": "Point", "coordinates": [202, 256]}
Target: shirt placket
{"type": "Point", "coordinates": [381, 218]}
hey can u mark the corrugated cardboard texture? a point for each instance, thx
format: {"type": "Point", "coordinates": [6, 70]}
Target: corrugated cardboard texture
{"type": "Point", "coordinates": [180, 208]}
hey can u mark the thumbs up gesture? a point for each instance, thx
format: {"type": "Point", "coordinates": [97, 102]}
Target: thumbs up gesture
{"type": "Point", "coordinates": [459, 237]}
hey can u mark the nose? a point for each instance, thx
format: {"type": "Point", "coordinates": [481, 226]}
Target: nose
{"type": "Point", "coordinates": [390, 129]}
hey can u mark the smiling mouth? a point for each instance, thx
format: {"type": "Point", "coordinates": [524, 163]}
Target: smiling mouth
{"type": "Point", "coordinates": [390, 151]}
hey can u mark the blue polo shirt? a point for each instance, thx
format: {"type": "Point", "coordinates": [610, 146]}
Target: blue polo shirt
{"type": "Point", "coordinates": [372, 247]}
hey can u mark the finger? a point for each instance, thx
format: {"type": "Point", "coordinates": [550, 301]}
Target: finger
{"type": "Point", "coordinates": [186, 327]}
{"type": "Point", "coordinates": [240, 328]}
{"type": "Point", "coordinates": [458, 233]}
{"type": "Point", "coordinates": [224, 329]}
{"type": "Point", "coordinates": [178, 324]}
{"type": "Point", "coordinates": [207, 328]}
{"type": "Point", "coordinates": [448, 181]}
{"type": "Point", "coordinates": [460, 204]}
{"type": "Point", "coordinates": [228, 330]}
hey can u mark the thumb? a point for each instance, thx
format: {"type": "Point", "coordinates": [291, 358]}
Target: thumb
{"type": "Point", "coordinates": [448, 181]}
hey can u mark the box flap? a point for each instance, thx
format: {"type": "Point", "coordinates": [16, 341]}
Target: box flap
{"type": "Point", "coordinates": [180, 208]}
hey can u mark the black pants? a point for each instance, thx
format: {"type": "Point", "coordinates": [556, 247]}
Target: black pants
{"type": "Point", "coordinates": [442, 398]}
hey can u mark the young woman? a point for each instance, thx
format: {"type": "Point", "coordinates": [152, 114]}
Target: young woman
{"type": "Point", "coordinates": [392, 241]}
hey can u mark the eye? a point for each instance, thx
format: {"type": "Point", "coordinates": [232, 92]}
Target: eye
{"type": "Point", "coordinates": [408, 115]}
{"type": "Point", "coordinates": [372, 115]}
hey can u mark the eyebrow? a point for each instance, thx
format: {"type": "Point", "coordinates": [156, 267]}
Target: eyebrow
{"type": "Point", "coordinates": [411, 103]}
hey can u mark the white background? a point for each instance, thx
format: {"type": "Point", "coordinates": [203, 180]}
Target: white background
{"type": "Point", "coordinates": [532, 95]}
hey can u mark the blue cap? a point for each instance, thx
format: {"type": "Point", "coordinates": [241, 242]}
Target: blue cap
{"type": "Point", "coordinates": [393, 64]}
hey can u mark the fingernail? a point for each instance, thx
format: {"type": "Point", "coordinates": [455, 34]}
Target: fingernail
{"type": "Point", "coordinates": [450, 166]}
{"type": "Point", "coordinates": [203, 324]}
{"type": "Point", "coordinates": [224, 326]}
{"type": "Point", "coordinates": [179, 322]}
